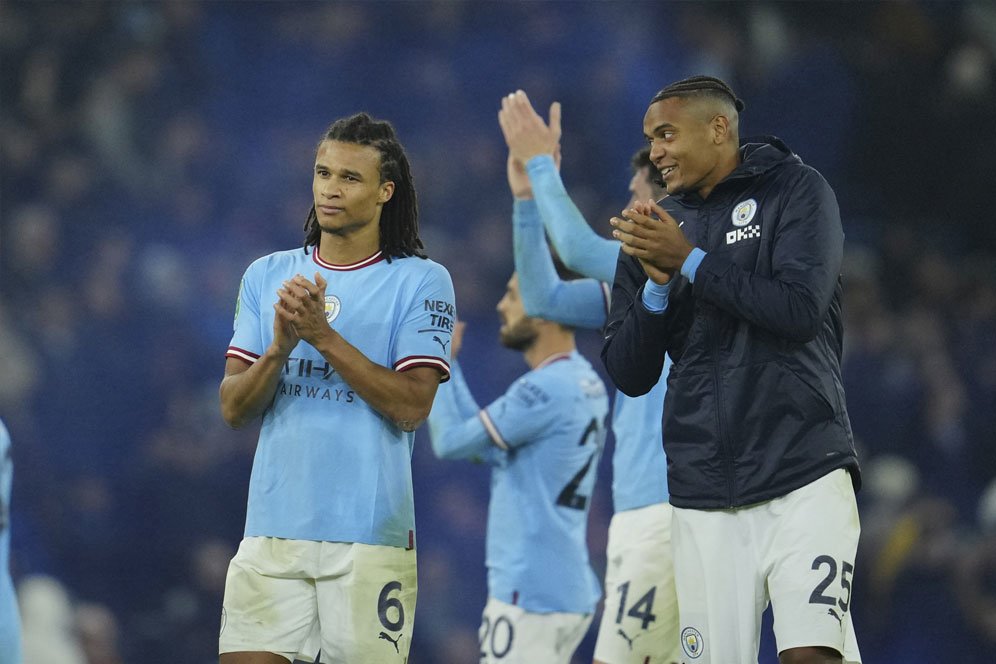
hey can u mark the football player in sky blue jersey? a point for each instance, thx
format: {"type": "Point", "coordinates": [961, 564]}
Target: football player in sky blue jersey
{"type": "Point", "coordinates": [543, 438]}
{"type": "Point", "coordinates": [339, 346]}
{"type": "Point", "coordinates": [640, 620]}
{"type": "Point", "coordinates": [10, 622]}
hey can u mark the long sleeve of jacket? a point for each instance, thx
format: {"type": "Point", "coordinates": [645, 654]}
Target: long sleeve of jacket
{"type": "Point", "coordinates": [455, 429]}
{"type": "Point", "coordinates": [579, 247]}
{"type": "Point", "coordinates": [806, 255]}
{"type": "Point", "coordinates": [636, 340]}
{"type": "Point", "coordinates": [579, 303]}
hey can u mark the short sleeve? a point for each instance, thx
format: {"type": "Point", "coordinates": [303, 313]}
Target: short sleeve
{"type": "Point", "coordinates": [427, 327]}
{"type": "Point", "coordinates": [524, 412]}
{"type": "Point", "coordinates": [247, 339]}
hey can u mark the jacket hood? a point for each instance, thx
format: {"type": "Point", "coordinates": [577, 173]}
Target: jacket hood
{"type": "Point", "coordinates": [762, 153]}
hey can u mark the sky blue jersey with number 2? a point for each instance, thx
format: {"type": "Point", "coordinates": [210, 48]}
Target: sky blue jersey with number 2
{"type": "Point", "coordinates": [328, 466]}
{"type": "Point", "coordinates": [543, 438]}
{"type": "Point", "coordinates": [639, 466]}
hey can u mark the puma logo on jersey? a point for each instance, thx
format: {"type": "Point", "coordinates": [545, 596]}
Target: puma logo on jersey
{"type": "Point", "coordinates": [834, 614]}
{"type": "Point", "coordinates": [629, 641]}
{"type": "Point", "coordinates": [442, 343]}
{"type": "Point", "coordinates": [394, 642]}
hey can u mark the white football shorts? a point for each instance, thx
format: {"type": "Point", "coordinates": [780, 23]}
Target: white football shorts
{"type": "Point", "coordinates": [511, 635]}
{"type": "Point", "coordinates": [353, 602]}
{"type": "Point", "coordinates": [796, 551]}
{"type": "Point", "coordinates": [640, 619]}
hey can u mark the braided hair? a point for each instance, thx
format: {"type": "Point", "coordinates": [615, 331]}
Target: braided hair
{"type": "Point", "coordinates": [399, 217]}
{"type": "Point", "coordinates": [700, 86]}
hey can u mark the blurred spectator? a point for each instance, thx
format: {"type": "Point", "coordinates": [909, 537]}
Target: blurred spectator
{"type": "Point", "coordinates": [99, 634]}
{"type": "Point", "coordinates": [976, 578]}
{"type": "Point", "coordinates": [47, 623]}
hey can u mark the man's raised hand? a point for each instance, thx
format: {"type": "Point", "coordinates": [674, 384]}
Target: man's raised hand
{"type": "Point", "coordinates": [525, 132]}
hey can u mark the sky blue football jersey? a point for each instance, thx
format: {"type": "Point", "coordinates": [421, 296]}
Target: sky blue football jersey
{"type": "Point", "coordinates": [639, 466]}
{"type": "Point", "coordinates": [328, 467]}
{"type": "Point", "coordinates": [544, 438]}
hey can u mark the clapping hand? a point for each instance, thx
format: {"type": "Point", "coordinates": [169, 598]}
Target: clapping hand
{"type": "Point", "coordinates": [652, 236]}
{"type": "Point", "coordinates": [301, 305]}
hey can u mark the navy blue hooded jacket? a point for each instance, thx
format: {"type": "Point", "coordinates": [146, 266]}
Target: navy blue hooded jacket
{"type": "Point", "coordinates": [755, 404]}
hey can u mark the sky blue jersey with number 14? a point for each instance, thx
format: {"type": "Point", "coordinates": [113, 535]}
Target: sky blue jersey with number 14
{"type": "Point", "coordinates": [328, 466]}
{"type": "Point", "coordinates": [543, 438]}
{"type": "Point", "coordinates": [639, 467]}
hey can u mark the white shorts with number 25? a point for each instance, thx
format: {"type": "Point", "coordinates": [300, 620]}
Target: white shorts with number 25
{"type": "Point", "coordinates": [796, 551]}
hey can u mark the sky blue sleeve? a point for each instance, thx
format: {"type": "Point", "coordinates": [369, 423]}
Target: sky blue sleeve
{"type": "Point", "coordinates": [524, 413]}
{"type": "Point", "coordinates": [6, 479]}
{"type": "Point", "coordinates": [425, 333]}
{"type": "Point", "coordinates": [578, 303]}
{"type": "Point", "coordinates": [455, 429]}
{"type": "Point", "coordinates": [580, 247]}
{"type": "Point", "coordinates": [247, 340]}
{"type": "Point", "coordinates": [10, 623]}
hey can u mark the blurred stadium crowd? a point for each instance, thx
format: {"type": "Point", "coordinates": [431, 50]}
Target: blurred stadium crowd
{"type": "Point", "coordinates": [151, 150]}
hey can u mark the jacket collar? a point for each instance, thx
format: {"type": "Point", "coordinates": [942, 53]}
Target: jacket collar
{"type": "Point", "coordinates": [758, 154]}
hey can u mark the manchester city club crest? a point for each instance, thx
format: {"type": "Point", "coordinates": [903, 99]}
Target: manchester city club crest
{"type": "Point", "coordinates": [744, 212]}
{"type": "Point", "coordinates": [332, 308]}
{"type": "Point", "coordinates": [691, 642]}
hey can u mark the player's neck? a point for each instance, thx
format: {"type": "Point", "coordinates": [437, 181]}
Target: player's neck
{"type": "Point", "coordinates": [726, 166]}
{"type": "Point", "coordinates": [347, 249]}
{"type": "Point", "coordinates": [547, 346]}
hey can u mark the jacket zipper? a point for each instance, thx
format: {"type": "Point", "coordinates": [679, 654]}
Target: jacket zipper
{"type": "Point", "coordinates": [723, 438]}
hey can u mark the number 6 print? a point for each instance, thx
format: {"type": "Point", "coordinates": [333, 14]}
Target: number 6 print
{"type": "Point", "coordinates": [386, 602]}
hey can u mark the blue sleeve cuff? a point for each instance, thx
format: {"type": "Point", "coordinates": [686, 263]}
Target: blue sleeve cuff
{"type": "Point", "coordinates": [655, 296]}
{"type": "Point", "coordinates": [525, 210]}
{"type": "Point", "coordinates": [539, 161]}
{"type": "Point", "coordinates": [691, 264]}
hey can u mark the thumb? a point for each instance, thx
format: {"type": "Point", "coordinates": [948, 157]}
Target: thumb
{"type": "Point", "coordinates": [321, 283]}
{"type": "Point", "coordinates": [555, 119]}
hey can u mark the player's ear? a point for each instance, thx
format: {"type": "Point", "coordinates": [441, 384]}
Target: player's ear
{"type": "Point", "coordinates": [386, 191]}
{"type": "Point", "coordinates": [720, 127]}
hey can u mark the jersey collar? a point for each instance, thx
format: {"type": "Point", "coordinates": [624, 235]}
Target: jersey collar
{"type": "Point", "coordinates": [369, 260]}
{"type": "Point", "coordinates": [556, 357]}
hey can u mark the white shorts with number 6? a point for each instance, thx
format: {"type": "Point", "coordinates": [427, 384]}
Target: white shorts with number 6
{"type": "Point", "coordinates": [510, 635]}
{"type": "Point", "coordinates": [353, 602]}
{"type": "Point", "coordinates": [640, 620]}
{"type": "Point", "coordinates": [796, 551]}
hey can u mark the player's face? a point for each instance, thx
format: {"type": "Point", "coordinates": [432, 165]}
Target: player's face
{"type": "Point", "coordinates": [518, 331]}
{"type": "Point", "coordinates": [641, 188]}
{"type": "Point", "coordinates": [347, 189]}
{"type": "Point", "coordinates": [682, 144]}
